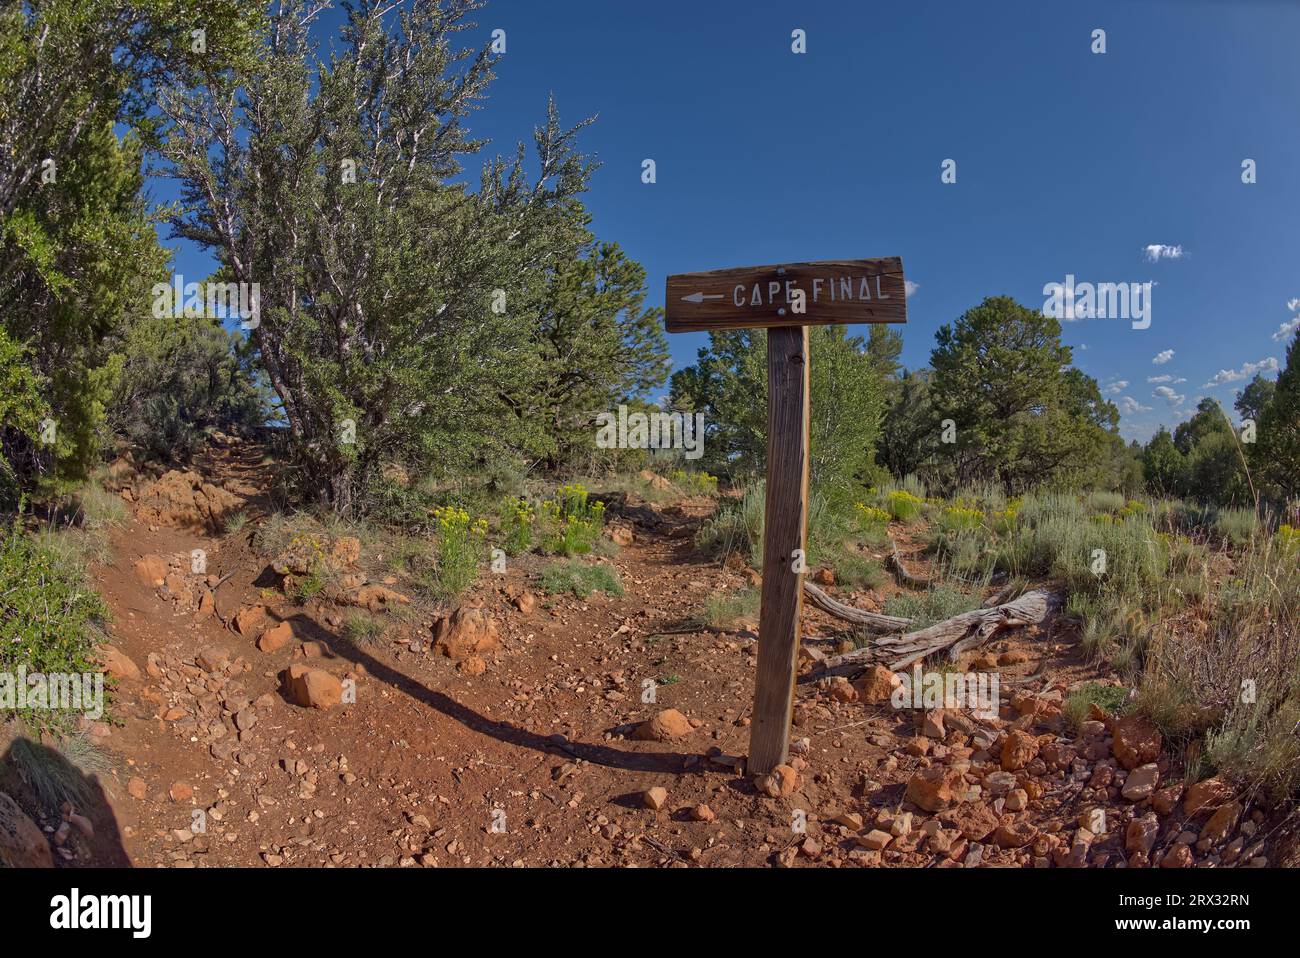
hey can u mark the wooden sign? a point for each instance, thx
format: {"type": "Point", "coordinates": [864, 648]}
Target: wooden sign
{"type": "Point", "coordinates": [787, 299]}
{"type": "Point", "coordinates": [794, 294]}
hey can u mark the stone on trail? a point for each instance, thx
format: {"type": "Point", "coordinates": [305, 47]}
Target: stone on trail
{"type": "Point", "coordinates": [118, 664]}
{"type": "Point", "coordinates": [655, 798]}
{"type": "Point", "coordinates": [467, 631]}
{"type": "Point", "coordinates": [876, 685]}
{"type": "Point", "coordinates": [664, 726]}
{"type": "Point", "coordinates": [151, 570]}
{"type": "Point", "coordinates": [934, 789]}
{"type": "Point", "coordinates": [249, 618]}
{"type": "Point", "coordinates": [312, 688]}
{"type": "Point", "coordinates": [781, 782]}
{"type": "Point", "coordinates": [1137, 741]}
{"type": "Point", "coordinates": [22, 844]}
{"type": "Point", "coordinates": [1206, 796]}
{"type": "Point", "coordinates": [276, 637]}
{"type": "Point", "coordinates": [1141, 782]}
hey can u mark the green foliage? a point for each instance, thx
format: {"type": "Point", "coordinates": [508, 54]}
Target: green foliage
{"type": "Point", "coordinates": [48, 612]}
{"type": "Point", "coordinates": [1023, 416]}
{"type": "Point", "coordinates": [935, 604]}
{"type": "Point", "coordinates": [723, 610]}
{"type": "Point", "coordinates": [737, 526]}
{"type": "Point", "coordinates": [461, 547]}
{"type": "Point", "coordinates": [903, 505]}
{"type": "Point", "coordinates": [1276, 452]}
{"type": "Point", "coordinates": [179, 377]}
{"type": "Point", "coordinates": [518, 519]}
{"type": "Point", "coordinates": [570, 524]}
{"type": "Point", "coordinates": [1111, 699]}
{"type": "Point", "coordinates": [728, 383]}
{"type": "Point", "coordinates": [362, 628]}
{"type": "Point", "coordinates": [580, 578]}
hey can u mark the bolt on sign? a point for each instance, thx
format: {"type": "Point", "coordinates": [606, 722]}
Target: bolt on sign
{"type": "Point", "coordinates": [786, 300]}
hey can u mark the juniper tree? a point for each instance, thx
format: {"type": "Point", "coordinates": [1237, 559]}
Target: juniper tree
{"type": "Point", "coordinates": [397, 304]}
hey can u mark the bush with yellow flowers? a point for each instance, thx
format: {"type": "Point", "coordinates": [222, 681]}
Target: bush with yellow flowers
{"type": "Point", "coordinates": [903, 505]}
{"type": "Point", "coordinates": [461, 541]}
{"type": "Point", "coordinates": [518, 520]}
{"type": "Point", "coordinates": [570, 524]}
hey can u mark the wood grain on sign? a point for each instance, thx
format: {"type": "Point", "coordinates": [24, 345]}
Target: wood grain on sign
{"type": "Point", "coordinates": [834, 292]}
{"type": "Point", "coordinates": [784, 531]}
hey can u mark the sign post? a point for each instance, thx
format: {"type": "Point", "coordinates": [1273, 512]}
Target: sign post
{"type": "Point", "coordinates": [785, 299]}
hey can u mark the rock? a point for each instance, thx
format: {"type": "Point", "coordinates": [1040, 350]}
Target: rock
{"type": "Point", "coordinates": [1206, 796]}
{"type": "Point", "coordinates": [249, 618]}
{"type": "Point", "coordinates": [1015, 835]}
{"type": "Point", "coordinates": [932, 724]}
{"type": "Point", "coordinates": [525, 602]}
{"type": "Point", "coordinates": [876, 685]}
{"type": "Point", "coordinates": [1141, 782]}
{"type": "Point", "coordinates": [655, 798]}
{"type": "Point", "coordinates": [875, 839]}
{"type": "Point", "coordinates": [212, 659]}
{"type": "Point", "coordinates": [1017, 800]}
{"type": "Point", "coordinates": [180, 792]}
{"type": "Point", "coordinates": [207, 605]}
{"type": "Point", "coordinates": [1166, 800]}
{"type": "Point", "coordinates": [842, 690]}
{"type": "Point", "coordinates": [137, 788]}
{"type": "Point", "coordinates": [118, 664]}
{"type": "Point", "coordinates": [22, 843]}
{"type": "Point", "coordinates": [975, 822]}
{"type": "Point", "coordinates": [702, 813]}
{"type": "Point", "coordinates": [1137, 741]}
{"type": "Point", "coordinates": [1141, 834]}
{"type": "Point", "coordinates": [465, 632]}
{"type": "Point", "coordinates": [1093, 819]}
{"type": "Point", "coordinates": [1014, 657]}
{"type": "Point", "coordinates": [345, 551]}
{"type": "Point", "coordinates": [184, 500]}
{"type": "Point", "coordinates": [473, 665]}
{"type": "Point", "coordinates": [151, 570]}
{"type": "Point", "coordinates": [374, 598]}
{"type": "Point", "coordinates": [276, 637]}
{"type": "Point", "coordinates": [1018, 750]}
{"type": "Point", "coordinates": [934, 789]}
{"type": "Point", "coordinates": [654, 480]}
{"type": "Point", "coordinates": [620, 534]}
{"type": "Point", "coordinates": [1179, 856]}
{"type": "Point", "coordinates": [664, 726]}
{"type": "Point", "coordinates": [850, 820]}
{"type": "Point", "coordinates": [1221, 823]}
{"type": "Point", "coordinates": [780, 783]}
{"type": "Point", "coordinates": [311, 688]}
{"type": "Point", "coordinates": [824, 576]}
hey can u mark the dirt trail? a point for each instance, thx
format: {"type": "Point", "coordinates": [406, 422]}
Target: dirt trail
{"type": "Point", "coordinates": [534, 762]}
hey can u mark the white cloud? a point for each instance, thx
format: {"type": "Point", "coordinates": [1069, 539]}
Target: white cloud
{"type": "Point", "coordinates": [909, 288]}
{"type": "Point", "coordinates": [1163, 357]}
{"type": "Point", "coordinates": [1286, 329]}
{"type": "Point", "coordinates": [1158, 251]}
{"type": "Point", "coordinates": [1115, 388]}
{"type": "Point", "coordinates": [1166, 378]}
{"type": "Point", "coordinates": [1247, 369]}
{"type": "Point", "coordinates": [1168, 395]}
{"type": "Point", "coordinates": [1130, 406]}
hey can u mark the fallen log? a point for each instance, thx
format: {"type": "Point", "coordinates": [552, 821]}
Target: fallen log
{"type": "Point", "coordinates": [959, 634]}
{"type": "Point", "coordinates": [874, 620]}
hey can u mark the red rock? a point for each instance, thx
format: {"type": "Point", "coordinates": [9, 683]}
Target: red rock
{"type": "Point", "coordinates": [525, 602]}
{"type": "Point", "coordinates": [1137, 741]}
{"type": "Point", "coordinates": [842, 690]}
{"type": "Point", "coordinates": [1180, 856]}
{"type": "Point", "coordinates": [664, 726]}
{"type": "Point", "coordinates": [151, 570]}
{"type": "Point", "coordinates": [1018, 750]}
{"type": "Point", "coordinates": [875, 839]}
{"type": "Point", "coordinates": [1141, 782]}
{"type": "Point", "coordinates": [118, 664]}
{"type": "Point", "coordinates": [377, 598]}
{"type": "Point", "coordinates": [137, 788]}
{"type": "Point", "coordinates": [207, 605]}
{"type": "Point", "coordinates": [180, 792]}
{"type": "Point", "coordinates": [1166, 800]}
{"type": "Point", "coordinates": [1013, 658]}
{"type": "Point", "coordinates": [248, 618]}
{"type": "Point", "coordinates": [467, 631]}
{"type": "Point", "coordinates": [824, 576]}
{"type": "Point", "coordinates": [22, 843]}
{"type": "Point", "coordinates": [312, 688]}
{"type": "Point", "coordinates": [276, 637]}
{"type": "Point", "coordinates": [702, 813]}
{"type": "Point", "coordinates": [655, 798]}
{"type": "Point", "coordinates": [620, 534]}
{"type": "Point", "coordinates": [1221, 823]}
{"type": "Point", "coordinates": [473, 665]}
{"type": "Point", "coordinates": [345, 551]}
{"type": "Point", "coordinates": [782, 782]}
{"type": "Point", "coordinates": [1142, 833]}
{"type": "Point", "coordinates": [212, 659]}
{"type": "Point", "coordinates": [934, 789]}
{"type": "Point", "coordinates": [876, 685]}
{"type": "Point", "coordinates": [1206, 796]}
{"type": "Point", "coordinates": [1015, 835]}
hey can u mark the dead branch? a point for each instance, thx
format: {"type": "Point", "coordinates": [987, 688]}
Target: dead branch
{"type": "Point", "coordinates": [874, 620]}
{"type": "Point", "coordinates": [894, 561]}
{"type": "Point", "coordinates": [959, 634]}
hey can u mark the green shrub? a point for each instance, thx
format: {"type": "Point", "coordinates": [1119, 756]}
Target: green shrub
{"type": "Point", "coordinates": [49, 614]}
{"type": "Point", "coordinates": [737, 526]}
{"type": "Point", "coordinates": [1235, 526]}
{"type": "Point", "coordinates": [518, 519]}
{"type": "Point", "coordinates": [903, 505]}
{"type": "Point", "coordinates": [580, 579]}
{"type": "Point", "coordinates": [570, 523]}
{"type": "Point", "coordinates": [856, 571]}
{"type": "Point", "coordinates": [362, 628]}
{"type": "Point", "coordinates": [723, 610]}
{"type": "Point", "coordinates": [461, 546]}
{"type": "Point", "coordinates": [960, 519]}
{"type": "Point", "coordinates": [936, 604]}
{"type": "Point", "coordinates": [1111, 699]}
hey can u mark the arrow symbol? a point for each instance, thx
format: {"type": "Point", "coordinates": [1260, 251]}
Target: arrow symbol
{"type": "Point", "coordinates": [700, 297]}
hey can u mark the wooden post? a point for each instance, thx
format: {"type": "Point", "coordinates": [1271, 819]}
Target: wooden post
{"type": "Point", "coordinates": [785, 533]}
{"type": "Point", "coordinates": [786, 300]}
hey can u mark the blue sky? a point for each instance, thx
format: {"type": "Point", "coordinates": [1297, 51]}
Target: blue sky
{"type": "Point", "coordinates": [1068, 162]}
